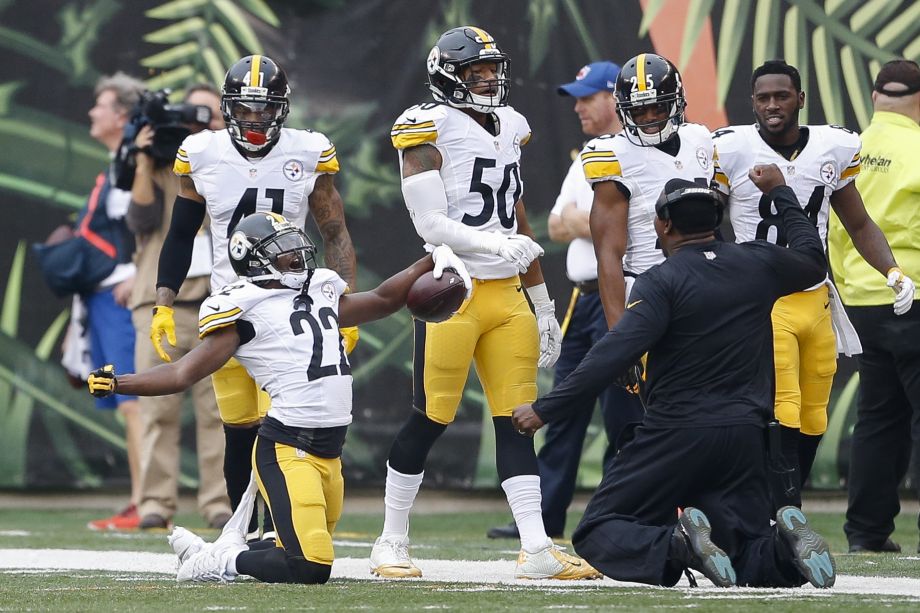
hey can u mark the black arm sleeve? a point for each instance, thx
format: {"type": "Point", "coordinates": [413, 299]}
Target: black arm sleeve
{"type": "Point", "coordinates": [176, 254]}
{"type": "Point", "coordinates": [639, 328]}
{"type": "Point", "coordinates": [803, 264]}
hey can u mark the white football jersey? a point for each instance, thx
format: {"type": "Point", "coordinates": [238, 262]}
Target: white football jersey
{"type": "Point", "coordinates": [481, 172]}
{"type": "Point", "coordinates": [644, 172]}
{"type": "Point", "coordinates": [828, 162]}
{"type": "Point", "coordinates": [234, 186]}
{"type": "Point", "coordinates": [297, 356]}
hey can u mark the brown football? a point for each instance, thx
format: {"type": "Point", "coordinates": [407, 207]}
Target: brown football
{"type": "Point", "coordinates": [435, 300]}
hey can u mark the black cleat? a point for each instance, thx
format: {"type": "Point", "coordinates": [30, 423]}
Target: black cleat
{"type": "Point", "coordinates": [888, 546]}
{"type": "Point", "coordinates": [701, 553]}
{"type": "Point", "coordinates": [810, 551]}
{"type": "Point", "coordinates": [509, 531]}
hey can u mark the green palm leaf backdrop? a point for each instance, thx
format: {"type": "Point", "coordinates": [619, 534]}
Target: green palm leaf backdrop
{"type": "Point", "coordinates": [354, 65]}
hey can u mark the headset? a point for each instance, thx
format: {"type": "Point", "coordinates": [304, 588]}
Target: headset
{"type": "Point", "coordinates": [669, 198]}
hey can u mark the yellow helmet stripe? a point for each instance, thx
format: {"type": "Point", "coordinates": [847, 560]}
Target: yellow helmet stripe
{"type": "Point", "coordinates": [484, 36]}
{"type": "Point", "coordinates": [255, 71]}
{"type": "Point", "coordinates": [640, 72]}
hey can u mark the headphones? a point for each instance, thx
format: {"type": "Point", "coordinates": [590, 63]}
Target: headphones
{"type": "Point", "coordinates": [668, 199]}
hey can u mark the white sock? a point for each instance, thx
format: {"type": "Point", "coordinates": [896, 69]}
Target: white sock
{"type": "Point", "coordinates": [523, 493]}
{"type": "Point", "coordinates": [397, 500]}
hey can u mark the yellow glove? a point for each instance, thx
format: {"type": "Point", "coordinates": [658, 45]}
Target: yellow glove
{"type": "Point", "coordinates": [163, 323]}
{"type": "Point", "coordinates": [102, 381]}
{"type": "Point", "coordinates": [351, 338]}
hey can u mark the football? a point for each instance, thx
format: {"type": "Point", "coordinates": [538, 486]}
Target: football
{"type": "Point", "coordinates": [435, 300]}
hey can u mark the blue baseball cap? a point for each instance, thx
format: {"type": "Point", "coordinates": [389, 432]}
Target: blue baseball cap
{"type": "Point", "coordinates": [595, 77]}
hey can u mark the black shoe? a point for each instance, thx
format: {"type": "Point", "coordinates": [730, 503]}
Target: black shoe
{"type": "Point", "coordinates": [509, 531]}
{"type": "Point", "coordinates": [219, 521]}
{"type": "Point", "coordinates": [152, 521]}
{"type": "Point", "coordinates": [810, 551]}
{"type": "Point", "coordinates": [692, 546]}
{"type": "Point", "coordinates": [888, 546]}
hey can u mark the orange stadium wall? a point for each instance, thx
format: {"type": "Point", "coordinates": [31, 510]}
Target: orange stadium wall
{"type": "Point", "coordinates": [354, 65]}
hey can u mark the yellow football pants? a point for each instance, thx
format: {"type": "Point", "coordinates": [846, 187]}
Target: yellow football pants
{"type": "Point", "coordinates": [805, 358]}
{"type": "Point", "coordinates": [304, 494]}
{"type": "Point", "coordinates": [239, 399]}
{"type": "Point", "coordinates": [497, 331]}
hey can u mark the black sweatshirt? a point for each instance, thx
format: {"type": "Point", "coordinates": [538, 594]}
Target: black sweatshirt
{"type": "Point", "coordinates": [703, 316]}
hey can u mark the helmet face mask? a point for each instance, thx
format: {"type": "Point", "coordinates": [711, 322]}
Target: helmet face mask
{"type": "Point", "coordinates": [649, 80]}
{"type": "Point", "coordinates": [267, 247]}
{"type": "Point", "coordinates": [255, 103]}
{"type": "Point", "coordinates": [464, 62]}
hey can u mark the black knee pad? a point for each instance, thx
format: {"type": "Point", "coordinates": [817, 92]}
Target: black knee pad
{"type": "Point", "coordinates": [514, 454]}
{"type": "Point", "coordinates": [305, 571]}
{"type": "Point", "coordinates": [412, 444]}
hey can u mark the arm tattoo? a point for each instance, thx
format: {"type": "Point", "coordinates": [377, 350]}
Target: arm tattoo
{"type": "Point", "coordinates": [329, 212]}
{"type": "Point", "coordinates": [419, 159]}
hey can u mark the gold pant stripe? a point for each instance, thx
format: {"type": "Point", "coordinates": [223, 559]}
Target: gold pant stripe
{"type": "Point", "coordinates": [305, 495]}
{"type": "Point", "coordinates": [496, 330]}
{"type": "Point", "coordinates": [571, 309]}
{"type": "Point", "coordinates": [240, 401]}
{"type": "Point", "coordinates": [805, 359]}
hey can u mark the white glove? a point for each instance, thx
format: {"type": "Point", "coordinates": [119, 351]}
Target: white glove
{"type": "Point", "coordinates": [518, 249]}
{"type": "Point", "coordinates": [903, 289]}
{"type": "Point", "coordinates": [444, 257]}
{"type": "Point", "coordinates": [547, 326]}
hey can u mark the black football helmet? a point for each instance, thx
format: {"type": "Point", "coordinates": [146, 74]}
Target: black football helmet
{"type": "Point", "coordinates": [266, 246]}
{"type": "Point", "coordinates": [455, 50]}
{"type": "Point", "coordinates": [647, 80]}
{"type": "Point", "coordinates": [255, 101]}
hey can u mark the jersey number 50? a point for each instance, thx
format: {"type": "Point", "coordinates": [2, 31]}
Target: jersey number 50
{"type": "Point", "coordinates": [505, 212]}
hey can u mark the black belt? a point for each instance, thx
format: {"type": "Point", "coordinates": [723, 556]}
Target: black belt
{"type": "Point", "coordinates": [587, 287]}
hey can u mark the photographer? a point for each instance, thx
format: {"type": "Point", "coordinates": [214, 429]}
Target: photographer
{"type": "Point", "coordinates": [162, 127]}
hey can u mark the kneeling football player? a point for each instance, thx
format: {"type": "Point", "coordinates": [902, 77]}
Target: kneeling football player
{"type": "Point", "coordinates": [281, 321]}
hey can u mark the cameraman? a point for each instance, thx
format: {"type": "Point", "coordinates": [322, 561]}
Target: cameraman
{"type": "Point", "coordinates": [153, 192]}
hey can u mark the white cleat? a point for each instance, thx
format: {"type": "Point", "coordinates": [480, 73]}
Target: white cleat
{"type": "Point", "coordinates": [185, 543]}
{"type": "Point", "coordinates": [214, 561]}
{"type": "Point", "coordinates": [390, 559]}
{"type": "Point", "coordinates": [553, 563]}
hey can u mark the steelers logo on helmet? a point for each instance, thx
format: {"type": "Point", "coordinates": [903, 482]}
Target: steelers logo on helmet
{"type": "Point", "coordinates": [273, 249]}
{"type": "Point", "coordinates": [453, 77]}
{"type": "Point", "coordinates": [650, 100]}
{"type": "Point", "coordinates": [255, 102]}
{"type": "Point", "coordinates": [432, 62]}
{"type": "Point", "coordinates": [238, 247]}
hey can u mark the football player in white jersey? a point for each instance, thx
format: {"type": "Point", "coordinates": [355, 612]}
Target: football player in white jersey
{"type": "Point", "coordinates": [460, 162]}
{"type": "Point", "coordinates": [281, 321]}
{"type": "Point", "coordinates": [256, 164]}
{"type": "Point", "coordinates": [820, 163]}
{"type": "Point", "coordinates": [628, 170]}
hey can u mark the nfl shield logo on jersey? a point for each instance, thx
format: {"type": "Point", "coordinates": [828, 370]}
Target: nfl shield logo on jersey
{"type": "Point", "coordinates": [293, 169]}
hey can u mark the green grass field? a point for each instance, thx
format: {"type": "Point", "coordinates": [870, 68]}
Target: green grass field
{"type": "Point", "coordinates": [436, 536]}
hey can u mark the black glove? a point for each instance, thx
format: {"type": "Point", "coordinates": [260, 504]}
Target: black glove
{"type": "Point", "coordinates": [633, 379]}
{"type": "Point", "coordinates": [102, 381]}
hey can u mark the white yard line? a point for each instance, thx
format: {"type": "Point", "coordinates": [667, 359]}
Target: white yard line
{"type": "Point", "coordinates": [439, 571]}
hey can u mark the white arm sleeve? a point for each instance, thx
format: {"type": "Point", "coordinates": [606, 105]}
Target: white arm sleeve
{"type": "Point", "coordinates": [426, 200]}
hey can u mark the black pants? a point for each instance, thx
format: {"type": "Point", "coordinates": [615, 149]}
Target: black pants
{"type": "Point", "coordinates": [887, 420]}
{"type": "Point", "coordinates": [626, 529]}
{"type": "Point", "coordinates": [560, 455]}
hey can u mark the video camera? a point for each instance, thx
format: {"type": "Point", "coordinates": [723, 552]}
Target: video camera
{"type": "Point", "coordinates": [170, 123]}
